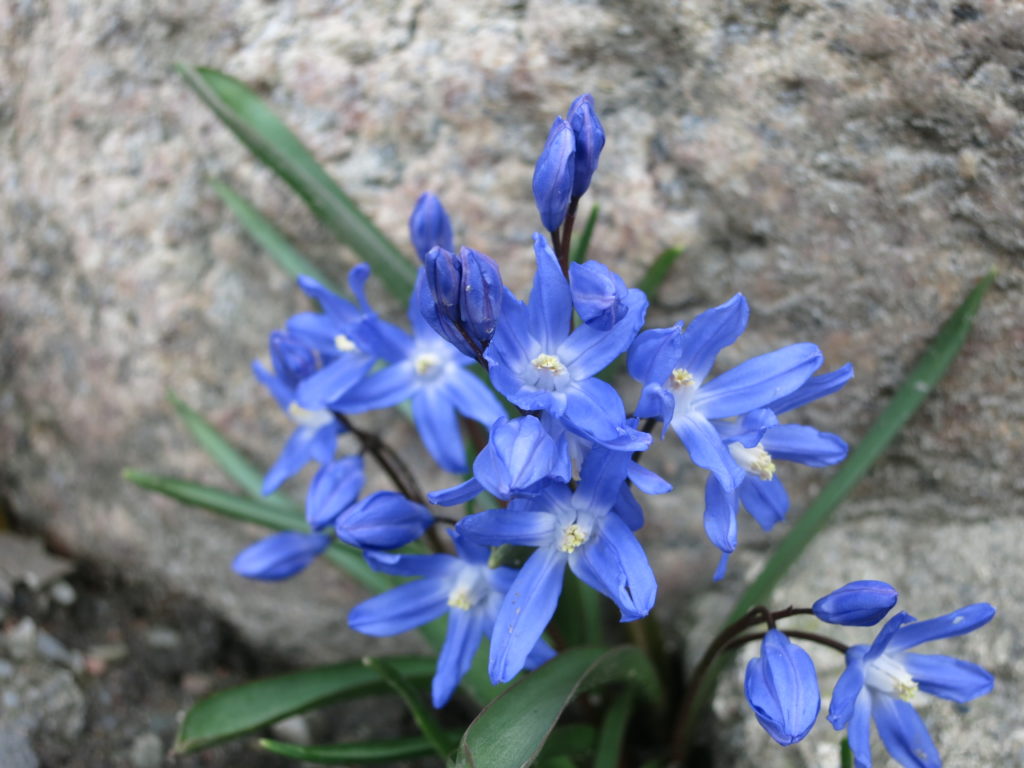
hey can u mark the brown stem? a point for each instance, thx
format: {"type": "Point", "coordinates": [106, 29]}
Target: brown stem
{"type": "Point", "coordinates": [811, 636]}
{"type": "Point", "coordinates": [565, 241]}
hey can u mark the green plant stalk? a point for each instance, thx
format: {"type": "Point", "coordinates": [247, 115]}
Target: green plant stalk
{"type": "Point", "coordinates": [424, 718]}
{"type": "Point", "coordinates": [612, 734]}
{"type": "Point", "coordinates": [356, 753]}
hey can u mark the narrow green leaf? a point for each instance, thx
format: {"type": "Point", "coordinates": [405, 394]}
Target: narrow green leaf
{"type": "Point", "coordinates": [657, 272]}
{"type": "Point", "coordinates": [424, 718]}
{"type": "Point", "coordinates": [578, 617]}
{"type": "Point", "coordinates": [512, 729]}
{"type": "Point", "coordinates": [226, 714]}
{"type": "Point", "coordinates": [357, 753]}
{"type": "Point", "coordinates": [908, 398]}
{"type": "Point", "coordinates": [572, 739]}
{"type": "Point", "coordinates": [259, 512]}
{"type": "Point", "coordinates": [579, 250]}
{"type": "Point", "coordinates": [612, 735]}
{"type": "Point", "coordinates": [255, 124]}
{"type": "Point", "coordinates": [845, 754]}
{"type": "Point", "coordinates": [228, 458]}
{"type": "Point", "coordinates": [270, 237]}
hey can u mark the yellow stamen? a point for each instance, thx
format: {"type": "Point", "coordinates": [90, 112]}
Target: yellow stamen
{"type": "Point", "coordinates": [460, 598]}
{"type": "Point", "coordinates": [344, 343]}
{"type": "Point", "coordinates": [549, 363]}
{"type": "Point", "coordinates": [426, 363]}
{"type": "Point", "coordinates": [572, 537]}
{"type": "Point", "coordinates": [681, 378]}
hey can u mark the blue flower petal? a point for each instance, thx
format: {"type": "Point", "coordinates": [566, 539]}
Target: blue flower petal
{"type": "Point", "coordinates": [859, 732]}
{"type": "Point", "coordinates": [340, 310]}
{"type": "Point", "coordinates": [457, 494]}
{"type": "Point", "coordinates": [720, 515]}
{"type": "Point", "coordinates": [315, 329]}
{"type": "Point", "coordinates": [280, 555]}
{"type": "Point", "coordinates": [554, 174]}
{"type": "Point", "coordinates": [861, 603]}
{"type": "Point", "coordinates": [757, 381]}
{"type": "Point", "coordinates": [886, 635]}
{"type": "Point", "coordinates": [804, 445]}
{"type": "Point", "coordinates": [782, 688]}
{"type": "Point", "coordinates": [399, 564]}
{"type": "Point", "coordinates": [959, 622]}
{"type": "Point", "coordinates": [297, 452]}
{"type": "Point", "coordinates": [472, 397]}
{"type": "Point", "coordinates": [709, 333]}
{"type": "Point", "coordinates": [282, 393]}
{"type": "Point", "coordinates": [494, 527]}
{"type": "Point", "coordinates": [656, 402]}
{"type": "Point", "coordinates": [325, 441]}
{"type": "Point", "coordinates": [654, 354]}
{"type": "Point", "coordinates": [434, 415]}
{"type": "Point", "coordinates": [333, 380]}
{"type": "Point", "coordinates": [601, 478]}
{"type": "Point", "coordinates": [335, 486]}
{"type": "Point", "coordinates": [848, 689]}
{"type": "Point", "coordinates": [589, 350]}
{"type": "Point", "coordinates": [614, 563]}
{"type": "Point", "coordinates": [398, 610]}
{"type": "Point", "coordinates": [383, 520]}
{"type": "Point", "coordinates": [947, 677]}
{"type": "Point", "coordinates": [629, 509]}
{"type": "Point", "coordinates": [598, 294]}
{"type": "Point", "coordinates": [646, 480]}
{"type": "Point", "coordinates": [707, 450]}
{"type": "Point", "coordinates": [525, 612]}
{"type": "Point", "coordinates": [389, 386]}
{"type": "Point", "coordinates": [594, 407]}
{"type": "Point", "coordinates": [814, 388]}
{"type": "Point", "coordinates": [765, 500]}
{"type": "Point", "coordinates": [903, 732]}
{"type": "Point", "coordinates": [550, 307]}
{"type": "Point", "coordinates": [465, 631]}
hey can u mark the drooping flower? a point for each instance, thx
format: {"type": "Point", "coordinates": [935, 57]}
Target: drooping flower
{"type": "Point", "coordinates": [782, 688]}
{"type": "Point", "coordinates": [554, 175]}
{"type": "Point", "coordinates": [673, 363]}
{"type": "Point", "coordinates": [857, 604]}
{"type": "Point", "coordinates": [429, 225]}
{"type": "Point", "coordinates": [540, 364]}
{"type": "Point", "coordinates": [576, 528]}
{"type": "Point", "coordinates": [881, 681]}
{"type": "Point", "coordinates": [280, 555]}
{"type": "Point", "coordinates": [463, 586]}
{"type": "Point", "coordinates": [316, 431]}
{"type": "Point", "coordinates": [428, 370]}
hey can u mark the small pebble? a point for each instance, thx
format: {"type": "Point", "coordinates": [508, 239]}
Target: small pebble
{"type": "Point", "coordinates": [147, 751]}
{"type": "Point", "coordinates": [294, 729]}
{"type": "Point", "coordinates": [163, 638]}
{"type": "Point", "coordinates": [21, 639]}
{"type": "Point", "coordinates": [6, 669]}
{"type": "Point", "coordinates": [49, 647]}
{"type": "Point", "coordinates": [10, 699]}
{"type": "Point", "coordinates": [196, 683]}
{"type": "Point", "coordinates": [63, 593]}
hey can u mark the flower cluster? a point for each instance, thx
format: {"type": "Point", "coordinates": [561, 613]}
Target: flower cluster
{"type": "Point", "coordinates": [561, 460]}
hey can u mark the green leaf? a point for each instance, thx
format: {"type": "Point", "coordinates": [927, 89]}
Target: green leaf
{"type": "Point", "coordinates": [356, 753]}
{"type": "Point", "coordinates": [908, 398]}
{"type": "Point", "coordinates": [845, 754]}
{"type": "Point", "coordinates": [573, 739]}
{"type": "Point", "coordinates": [253, 122]}
{"type": "Point", "coordinates": [261, 513]}
{"type": "Point", "coordinates": [657, 272]}
{"type": "Point", "coordinates": [424, 718]}
{"type": "Point", "coordinates": [228, 458]}
{"type": "Point", "coordinates": [579, 251]}
{"type": "Point", "coordinates": [226, 714]}
{"type": "Point", "coordinates": [512, 729]}
{"type": "Point", "coordinates": [578, 617]}
{"type": "Point", "coordinates": [613, 731]}
{"type": "Point", "coordinates": [270, 238]}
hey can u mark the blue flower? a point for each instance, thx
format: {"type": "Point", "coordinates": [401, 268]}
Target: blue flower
{"type": "Point", "coordinates": [383, 520]}
{"type": "Point", "coordinates": [316, 430]}
{"type": "Point", "coordinates": [880, 681]}
{"type": "Point", "coordinates": [589, 135]}
{"type": "Point", "coordinates": [280, 555]}
{"type": "Point", "coordinates": [519, 456]}
{"type": "Point", "coordinates": [579, 529]}
{"type": "Point", "coordinates": [339, 336]}
{"type": "Point", "coordinates": [427, 369]}
{"type": "Point", "coordinates": [598, 294]}
{"type": "Point", "coordinates": [429, 225]}
{"type": "Point", "coordinates": [334, 488]}
{"type": "Point", "coordinates": [673, 363]}
{"type": "Point", "coordinates": [857, 604]}
{"type": "Point", "coordinates": [554, 175]}
{"type": "Point", "coordinates": [462, 586]}
{"type": "Point", "coordinates": [782, 688]}
{"type": "Point", "coordinates": [464, 298]}
{"type": "Point", "coordinates": [540, 364]}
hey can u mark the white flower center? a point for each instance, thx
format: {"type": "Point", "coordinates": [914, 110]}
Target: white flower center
{"type": "Point", "coordinates": [548, 364]}
{"type": "Point", "coordinates": [572, 537]}
{"type": "Point", "coordinates": [681, 378]}
{"type": "Point", "coordinates": [343, 343]}
{"type": "Point", "coordinates": [460, 597]}
{"type": "Point", "coordinates": [757, 461]}
{"type": "Point", "coordinates": [307, 418]}
{"type": "Point", "coordinates": [426, 364]}
{"type": "Point", "coordinates": [887, 675]}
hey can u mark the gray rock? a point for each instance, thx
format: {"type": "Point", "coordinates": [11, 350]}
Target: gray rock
{"type": "Point", "coordinates": [63, 594]}
{"type": "Point", "coordinates": [851, 167]}
{"type": "Point", "coordinates": [52, 649]}
{"type": "Point", "coordinates": [147, 751]}
{"type": "Point", "coordinates": [21, 639]}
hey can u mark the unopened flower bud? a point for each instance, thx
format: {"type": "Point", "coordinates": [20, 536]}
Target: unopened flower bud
{"type": "Point", "coordinates": [335, 486]}
{"type": "Point", "coordinates": [480, 296]}
{"type": "Point", "coordinates": [858, 604]}
{"type": "Point", "coordinates": [782, 688]}
{"type": "Point", "coordinates": [554, 174]}
{"type": "Point", "coordinates": [279, 556]}
{"type": "Point", "coordinates": [598, 294]}
{"type": "Point", "coordinates": [293, 361]}
{"type": "Point", "coordinates": [461, 298]}
{"type": "Point", "coordinates": [589, 135]}
{"type": "Point", "coordinates": [429, 225]}
{"type": "Point", "coordinates": [385, 520]}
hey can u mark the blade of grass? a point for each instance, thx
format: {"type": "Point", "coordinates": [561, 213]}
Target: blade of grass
{"type": "Point", "coordinates": [612, 734]}
{"type": "Point", "coordinates": [579, 250]}
{"type": "Point", "coordinates": [269, 237]}
{"type": "Point", "coordinates": [228, 458]}
{"type": "Point", "coordinates": [256, 125]}
{"type": "Point", "coordinates": [845, 754]}
{"type": "Point", "coordinates": [356, 753]}
{"type": "Point", "coordinates": [424, 718]}
{"type": "Point", "coordinates": [921, 380]}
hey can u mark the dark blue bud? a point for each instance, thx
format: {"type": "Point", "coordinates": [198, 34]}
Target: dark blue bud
{"type": "Point", "coordinates": [438, 292]}
{"type": "Point", "coordinates": [858, 604]}
{"type": "Point", "coordinates": [279, 556]}
{"type": "Point", "coordinates": [335, 486]}
{"type": "Point", "coordinates": [385, 520]}
{"type": "Point", "coordinates": [553, 176]}
{"type": "Point", "coordinates": [598, 294]}
{"type": "Point", "coordinates": [429, 225]}
{"type": "Point", "coordinates": [589, 135]}
{"type": "Point", "coordinates": [293, 361]}
{"type": "Point", "coordinates": [782, 688]}
{"type": "Point", "coordinates": [461, 297]}
{"type": "Point", "coordinates": [480, 295]}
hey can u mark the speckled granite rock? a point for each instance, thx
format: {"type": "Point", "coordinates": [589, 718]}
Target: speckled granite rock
{"type": "Point", "coordinates": [850, 167]}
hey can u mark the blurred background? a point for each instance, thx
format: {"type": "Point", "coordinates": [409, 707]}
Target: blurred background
{"type": "Point", "coordinates": [853, 168]}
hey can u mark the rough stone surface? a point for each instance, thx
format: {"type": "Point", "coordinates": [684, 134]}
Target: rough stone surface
{"type": "Point", "coordinates": [851, 167]}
